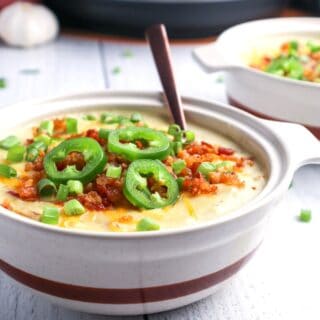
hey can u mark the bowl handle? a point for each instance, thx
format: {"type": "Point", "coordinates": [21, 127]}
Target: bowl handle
{"type": "Point", "coordinates": [211, 59]}
{"type": "Point", "coordinates": [302, 145]}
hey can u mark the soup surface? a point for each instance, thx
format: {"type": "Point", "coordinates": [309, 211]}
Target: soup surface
{"type": "Point", "coordinates": [121, 171]}
{"type": "Point", "coordinates": [296, 58]}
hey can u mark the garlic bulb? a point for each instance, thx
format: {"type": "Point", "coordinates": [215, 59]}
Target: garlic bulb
{"type": "Point", "coordinates": [24, 24]}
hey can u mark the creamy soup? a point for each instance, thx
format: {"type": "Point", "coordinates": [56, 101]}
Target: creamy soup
{"type": "Point", "coordinates": [124, 172]}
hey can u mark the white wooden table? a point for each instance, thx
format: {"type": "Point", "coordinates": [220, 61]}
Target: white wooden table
{"type": "Point", "coordinates": [283, 279]}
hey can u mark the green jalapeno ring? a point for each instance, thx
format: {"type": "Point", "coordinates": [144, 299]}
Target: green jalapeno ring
{"type": "Point", "coordinates": [136, 189]}
{"type": "Point", "coordinates": [91, 150]}
{"type": "Point", "coordinates": [158, 144]}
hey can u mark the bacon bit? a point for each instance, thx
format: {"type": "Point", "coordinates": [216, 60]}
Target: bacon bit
{"type": "Point", "coordinates": [109, 188]}
{"type": "Point", "coordinates": [200, 149]}
{"type": "Point", "coordinates": [28, 190]}
{"type": "Point", "coordinates": [140, 124]}
{"type": "Point", "coordinates": [266, 60]}
{"type": "Point", "coordinates": [198, 185]}
{"type": "Point", "coordinates": [94, 134]}
{"type": "Point", "coordinates": [37, 165]}
{"type": "Point", "coordinates": [13, 193]}
{"type": "Point", "coordinates": [125, 219]}
{"type": "Point", "coordinates": [76, 135]}
{"type": "Point", "coordinates": [92, 201]}
{"type": "Point", "coordinates": [285, 47]}
{"type": "Point", "coordinates": [168, 161]}
{"type": "Point", "coordinates": [185, 172]}
{"type": "Point", "coordinates": [139, 144]}
{"type": "Point", "coordinates": [59, 126]}
{"type": "Point", "coordinates": [228, 178]}
{"type": "Point", "coordinates": [193, 161]}
{"type": "Point", "coordinates": [72, 159]}
{"type": "Point", "coordinates": [155, 186]}
{"type": "Point", "coordinates": [6, 204]}
{"type": "Point", "coordinates": [225, 151]}
{"type": "Point", "coordinates": [117, 161]}
{"type": "Point", "coordinates": [29, 141]}
{"type": "Point", "coordinates": [214, 177]}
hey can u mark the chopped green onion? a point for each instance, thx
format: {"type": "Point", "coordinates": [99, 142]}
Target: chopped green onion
{"type": "Point", "coordinates": [46, 188]}
{"type": "Point", "coordinates": [47, 127]}
{"type": "Point", "coordinates": [206, 167]}
{"type": "Point", "coordinates": [305, 215]}
{"type": "Point", "coordinates": [44, 138]}
{"type": "Point", "coordinates": [104, 133]}
{"type": "Point", "coordinates": [116, 70]}
{"type": "Point", "coordinates": [177, 146]}
{"type": "Point", "coordinates": [136, 117]}
{"type": "Point", "coordinates": [174, 129]}
{"type": "Point", "coordinates": [293, 47]}
{"type": "Point", "coordinates": [9, 142]}
{"type": "Point", "coordinates": [89, 117]}
{"type": "Point", "coordinates": [113, 172]}
{"type": "Point", "coordinates": [189, 136]}
{"type": "Point", "coordinates": [109, 118]}
{"type": "Point", "coordinates": [72, 125]}
{"type": "Point", "coordinates": [127, 53]}
{"type": "Point", "coordinates": [50, 215]}
{"type": "Point", "coordinates": [32, 154]}
{"type": "Point", "coordinates": [29, 71]}
{"type": "Point", "coordinates": [178, 166]}
{"type": "Point", "coordinates": [219, 79]}
{"type": "Point", "coordinates": [125, 122]}
{"type": "Point", "coordinates": [33, 150]}
{"type": "Point", "coordinates": [180, 182]}
{"type": "Point", "coordinates": [147, 224]}
{"type": "Point", "coordinates": [7, 172]}
{"type": "Point", "coordinates": [62, 193]}
{"type": "Point", "coordinates": [73, 208]}
{"type": "Point", "coordinates": [16, 153]}
{"type": "Point", "coordinates": [75, 187]}
{"type": "Point", "coordinates": [314, 48]}
{"type": "Point", "coordinates": [3, 83]}
{"type": "Point", "coordinates": [291, 184]}
{"type": "Point", "coordinates": [289, 66]}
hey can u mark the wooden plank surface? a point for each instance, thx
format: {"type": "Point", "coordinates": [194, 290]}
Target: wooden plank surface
{"type": "Point", "coordinates": [281, 282]}
{"type": "Point", "coordinates": [60, 67]}
{"type": "Point", "coordinates": [130, 66]}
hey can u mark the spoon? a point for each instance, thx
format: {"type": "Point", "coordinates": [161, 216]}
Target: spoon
{"type": "Point", "coordinates": [159, 44]}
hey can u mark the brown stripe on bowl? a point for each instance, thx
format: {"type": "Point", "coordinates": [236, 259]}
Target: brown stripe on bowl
{"type": "Point", "coordinates": [123, 296]}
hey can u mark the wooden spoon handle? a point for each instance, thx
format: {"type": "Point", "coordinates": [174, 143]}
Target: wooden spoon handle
{"type": "Point", "coordinates": [159, 44]}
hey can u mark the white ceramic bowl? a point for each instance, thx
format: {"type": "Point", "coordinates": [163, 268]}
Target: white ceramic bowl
{"type": "Point", "coordinates": [136, 273]}
{"type": "Point", "coordinates": [260, 93]}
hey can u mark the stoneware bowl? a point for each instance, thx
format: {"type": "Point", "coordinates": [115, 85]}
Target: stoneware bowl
{"type": "Point", "coordinates": [146, 272]}
{"type": "Point", "coordinates": [260, 93]}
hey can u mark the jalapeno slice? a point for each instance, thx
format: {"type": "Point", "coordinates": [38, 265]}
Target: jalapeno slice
{"type": "Point", "coordinates": [136, 188]}
{"type": "Point", "coordinates": [94, 156]}
{"type": "Point", "coordinates": [155, 144]}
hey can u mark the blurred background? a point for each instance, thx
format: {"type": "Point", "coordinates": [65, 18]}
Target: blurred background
{"type": "Point", "coordinates": [183, 18]}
